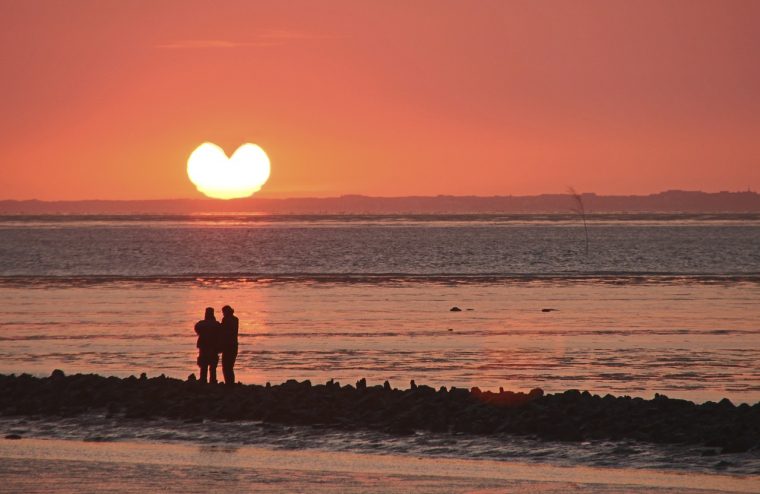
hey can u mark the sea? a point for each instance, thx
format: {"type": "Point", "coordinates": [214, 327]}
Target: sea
{"type": "Point", "coordinates": [628, 304]}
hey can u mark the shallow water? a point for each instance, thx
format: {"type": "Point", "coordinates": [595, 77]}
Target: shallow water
{"type": "Point", "coordinates": [662, 303]}
{"type": "Point", "coordinates": [689, 340]}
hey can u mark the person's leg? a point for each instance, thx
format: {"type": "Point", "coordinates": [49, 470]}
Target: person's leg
{"type": "Point", "coordinates": [212, 369]}
{"type": "Point", "coordinates": [226, 367]}
{"type": "Point", "coordinates": [228, 363]}
{"type": "Point", "coordinates": [202, 366]}
{"type": "Point", "coordinates": [233, 357]}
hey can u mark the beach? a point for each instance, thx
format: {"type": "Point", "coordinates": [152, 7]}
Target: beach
{"type": "Point", "coordinates": [74, 466]}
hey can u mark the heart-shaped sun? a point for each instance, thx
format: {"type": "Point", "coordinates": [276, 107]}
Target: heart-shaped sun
{"type": "Point", "coordinates": [217, 176]}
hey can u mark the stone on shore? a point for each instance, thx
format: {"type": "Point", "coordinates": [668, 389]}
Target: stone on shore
{"type": "Point", "coordinates": [570, 416]}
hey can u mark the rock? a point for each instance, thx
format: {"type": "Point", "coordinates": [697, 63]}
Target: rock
{"type": "Point", "coordinates": [570, 416]}
{"type": "Point", "coordinates": [455, 309]}
{"type": "Point", "coordinates": [535, 393]}
{"type": "Point", "coordinates": [459, 394]}
{"type": "Point", "coordinates": [725, 403]}
{"type": "Point", "coordinates": [572, 394]}
{"type": "Point", "coordinates": [13, 436]}
{"type": "Point", "coordinates": [549, 310]}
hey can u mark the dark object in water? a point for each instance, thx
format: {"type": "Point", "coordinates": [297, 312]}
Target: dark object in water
{"type": "Point", "coordinates": [12, 436]}
{"type": "Point", "coordinates": [569, 416]}
{"type": "Point", "coordinates": [455, 309]}
{"type": "Point", "coordinates": [549, 310]}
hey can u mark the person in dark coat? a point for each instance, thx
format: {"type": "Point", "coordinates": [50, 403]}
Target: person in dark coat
{"type": "Point", "coordinates": [229, 343]}
{"type": "Point", "coordinates": [209, 332]}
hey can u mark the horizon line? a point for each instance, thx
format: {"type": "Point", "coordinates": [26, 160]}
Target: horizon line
{"type": "Point", "coordinates": [364, 196]}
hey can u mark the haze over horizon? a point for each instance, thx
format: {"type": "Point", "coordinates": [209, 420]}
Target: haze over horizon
{"type": "Point", "coordinates": [668, 201]}
{"type": "Point", "coordinates": [565, 192]}
{"type": "Point", "coordinates": [108, 100]}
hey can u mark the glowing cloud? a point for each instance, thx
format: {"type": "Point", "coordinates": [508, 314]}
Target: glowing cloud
{"type": "Point", "coordinates": [215, 175]}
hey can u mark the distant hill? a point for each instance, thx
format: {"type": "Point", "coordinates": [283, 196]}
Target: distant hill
{"type": "Point", "coordinates": [669, 201]}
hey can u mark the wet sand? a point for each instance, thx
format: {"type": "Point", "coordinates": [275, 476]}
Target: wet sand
{"type": "Point", "coordinates": [37, 465]}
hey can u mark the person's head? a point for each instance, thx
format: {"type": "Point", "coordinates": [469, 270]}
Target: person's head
{"type": "Point", "coordinates": [227, 310]}
{"type": "Point", "coordinates": [209, 313]}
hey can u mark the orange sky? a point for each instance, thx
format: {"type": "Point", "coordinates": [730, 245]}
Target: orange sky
{"type": "Point", "coordinates": [106, 99]}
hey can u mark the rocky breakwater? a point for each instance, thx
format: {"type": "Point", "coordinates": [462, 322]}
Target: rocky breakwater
{"type": "Point", "coordinates": [568, 416]}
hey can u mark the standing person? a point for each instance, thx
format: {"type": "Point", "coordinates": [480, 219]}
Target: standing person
{"type": "Point", "coordinates": [229, 343]}
{"type": "Point", "coordinates": [208, 331]}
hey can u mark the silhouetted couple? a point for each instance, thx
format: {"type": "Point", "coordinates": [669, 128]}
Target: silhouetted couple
{"type": "Point", "coordinates": [215, 338]}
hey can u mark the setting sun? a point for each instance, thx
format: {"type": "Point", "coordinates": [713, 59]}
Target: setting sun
{"type": "Point", "coordinates": [215, 175]}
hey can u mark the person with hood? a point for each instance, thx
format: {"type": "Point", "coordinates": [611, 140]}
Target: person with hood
{"type": "Point", "coordinates": [208, 331]}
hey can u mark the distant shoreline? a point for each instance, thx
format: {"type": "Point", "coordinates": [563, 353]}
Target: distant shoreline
{"type": "Point", "coordinates": [672, 201]}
